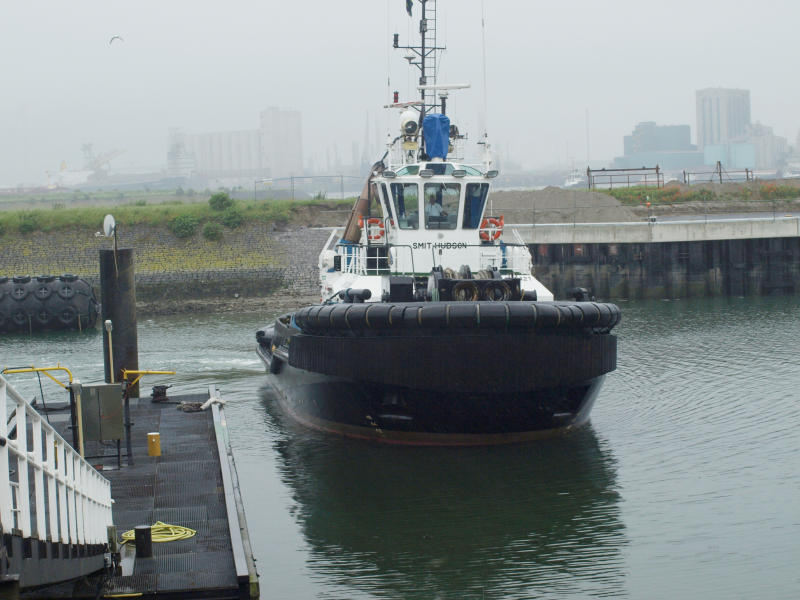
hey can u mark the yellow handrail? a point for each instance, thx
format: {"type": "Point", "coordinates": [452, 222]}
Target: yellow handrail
{"type": "Point", "coordinates": [45, 370]}
{"type": "Point", "coordinates": [139, 374]}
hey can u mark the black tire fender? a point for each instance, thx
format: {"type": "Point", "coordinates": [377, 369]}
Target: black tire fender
{"type": "Point", "coordinates": [42, 290]}
{"type": "Point", "coordinates": [19, 317]}
{"type": "Point", "coordinates": [66, 291]}
{"type": "Point", "coordinates": [43, 317]}
{"type": "Point", "coordinates": [67, 315]}
{"type": "Point", "coordinates": [19, 292]}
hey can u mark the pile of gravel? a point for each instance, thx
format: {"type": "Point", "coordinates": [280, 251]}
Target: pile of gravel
{"type": "Point", "coordinates": [558, 205]}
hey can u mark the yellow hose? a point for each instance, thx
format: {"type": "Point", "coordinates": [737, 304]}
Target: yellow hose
{"type": "Point", "coordinates": [163, 532]}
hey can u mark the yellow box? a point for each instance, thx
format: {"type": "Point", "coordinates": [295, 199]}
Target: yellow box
{"type": "Point", "coordinates": [154, 444]}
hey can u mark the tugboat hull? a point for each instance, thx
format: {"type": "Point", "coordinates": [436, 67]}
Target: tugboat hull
{"type": "Point", "coordinates": [405, 415]}
{"type": "Point", "coordinates": [420, 379]}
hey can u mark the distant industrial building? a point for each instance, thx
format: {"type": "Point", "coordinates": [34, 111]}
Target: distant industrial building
{"type": "Point", "coordinates": [668, 146]}
{"type": "Point", "coordinates": [273, 150]}
{"type": "Point", "coordinates": [726, 134]}
{"type": "Point", "coordinates": [723, 115]}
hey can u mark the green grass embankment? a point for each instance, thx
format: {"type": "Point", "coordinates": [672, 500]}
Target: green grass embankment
{"type": "Point", "coordinates": [756, 193]}
{"type": "Point", "coordinates": [170, 237]}
{"type": "Point", "coordinates": [61, 216]}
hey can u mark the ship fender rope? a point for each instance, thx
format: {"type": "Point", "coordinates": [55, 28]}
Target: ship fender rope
{"type": "Point", "coordinates": [366, 316]}
{"type": "Point", "coordinates": [347, 316]}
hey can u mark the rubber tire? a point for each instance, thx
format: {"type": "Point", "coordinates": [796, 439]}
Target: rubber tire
{"type": "Point", "coordinates": [66, 291]}
{"type": "Point", "coordinates": [68, 316]}
{"type": "Point", "coordinates": [19, 292]}
{"type": "Point", "coordinates": [20, 318]}
{"type": "Point", "coordinates": [42, 291]}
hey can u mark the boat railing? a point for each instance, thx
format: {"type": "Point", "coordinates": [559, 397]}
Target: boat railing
{"type": "Point", "coordinates": [48, 491]}
{"type": "Point", "coordinates": [361, 259]}
{"type": "Point", "coordinates": [383, 259]}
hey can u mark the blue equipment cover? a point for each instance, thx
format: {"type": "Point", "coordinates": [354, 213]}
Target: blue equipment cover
{"type": "Point", "coordinates": [436, 129]}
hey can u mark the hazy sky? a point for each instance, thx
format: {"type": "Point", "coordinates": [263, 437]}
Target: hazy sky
{"type": "Point", "coordinates": [212, 66]}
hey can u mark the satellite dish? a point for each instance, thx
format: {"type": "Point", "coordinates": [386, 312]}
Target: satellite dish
{"type": "Point", "coordinates": [109, 225]}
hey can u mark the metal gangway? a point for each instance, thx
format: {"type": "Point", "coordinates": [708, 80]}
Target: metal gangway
{"type": "Point", "coordinates": [55, 508]}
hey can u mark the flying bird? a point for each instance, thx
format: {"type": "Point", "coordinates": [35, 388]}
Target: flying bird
{"type": "Point", "coordinates": [115, 37]}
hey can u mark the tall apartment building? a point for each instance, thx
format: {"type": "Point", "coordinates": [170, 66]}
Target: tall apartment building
{"type": "Point", "coordinates": [723, 115]}
{"type": "Point", "coordinates": [275, 149]}
{"type": "Point", "coordinates": [725, 133]}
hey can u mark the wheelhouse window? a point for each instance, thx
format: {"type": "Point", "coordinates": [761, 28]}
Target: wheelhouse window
{"type": "Point", "coordinates": [474, 201]}
{"type": "Point", "coordinates": [441, 205]}
{"type": "Point", "coordinates": [405, 197]}
{"type": "Point", "coordinates": [408, 170]}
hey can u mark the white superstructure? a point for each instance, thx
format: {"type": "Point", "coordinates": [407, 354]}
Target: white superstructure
{"type": "Point", "coordinates": [423, 208]}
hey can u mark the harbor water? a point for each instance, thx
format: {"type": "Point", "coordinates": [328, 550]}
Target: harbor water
{"type": "Point", "coordinates": [685, 484]}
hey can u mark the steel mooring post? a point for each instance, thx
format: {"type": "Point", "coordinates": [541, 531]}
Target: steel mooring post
{"type": "Point", "coordinates": [143, 536]}
{"type": "Point", "coordinates": [118, 298]}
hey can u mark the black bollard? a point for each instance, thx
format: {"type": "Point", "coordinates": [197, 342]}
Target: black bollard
{"type": "Point", "coordinates": [118, 298]}
{"type": "Point", "coordinates": [143, 535]}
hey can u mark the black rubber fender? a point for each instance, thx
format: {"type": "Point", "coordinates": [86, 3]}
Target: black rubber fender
{"type": "Point", "coordinates": [338, 318]}
{"type": "Point", "coordinates": [412, 316]}
{"type": "Point", "coordinates": [356, 317]}
{"type": "Point", "coordinates": [463, 315]}
{"type": "Point", "coordinates": [522, 315]}
{"type": "Point", "coordinates": [493, 315]}
{"type": "Point", "coordinates": [43, 317]}
{"type": "Point", "coordinates": [485, 315]}
{"type": "Point", "coordinates": [19, 291]}
{"type": "Point", "coordinates": [66, 290]}
{"type": "Point", "coordinates": [43, 288]}
{"type": "Point", "coordinates": [20, 318]}
{"type": "Point", "coordinates": [378, 315]}
{"type": "Point", "coordinates": [68, 315]}
{"type": "Point", "coordinates": [547, 316]}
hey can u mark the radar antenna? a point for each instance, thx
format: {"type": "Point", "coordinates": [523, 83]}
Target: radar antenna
{"type": "Point", "coordinates": [425, 58]}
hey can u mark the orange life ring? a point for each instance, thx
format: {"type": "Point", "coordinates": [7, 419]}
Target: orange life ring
{"type": "Point", "coordinates": [491, 229]}
{"type": "Point", "coordinates": [377, 234]}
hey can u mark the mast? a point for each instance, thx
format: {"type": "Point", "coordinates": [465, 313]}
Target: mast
{"type": "Point", "coordinates": [433, 95]}
{"type": "Point", "coordinates": [424, 56]}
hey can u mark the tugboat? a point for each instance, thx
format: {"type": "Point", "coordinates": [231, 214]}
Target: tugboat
{"type": "Point", "coordinates": [431, 327]}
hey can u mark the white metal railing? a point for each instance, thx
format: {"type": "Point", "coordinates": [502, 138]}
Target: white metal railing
{"type": "Point", "coordinates": [354, 259]}
{"type": "Point", "coordinates": [71, 500]}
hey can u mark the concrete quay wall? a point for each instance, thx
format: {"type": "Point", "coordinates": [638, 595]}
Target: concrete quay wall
{"type": "Point", "coordinates": [687, 267]}
{"type": "Point", "coordinates": [662, 259]}
{"type": "Point", "coordinates": [698, 230]}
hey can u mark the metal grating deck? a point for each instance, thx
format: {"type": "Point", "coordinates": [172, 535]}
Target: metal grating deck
{"type": "Point", "coordinates": [185, 486]}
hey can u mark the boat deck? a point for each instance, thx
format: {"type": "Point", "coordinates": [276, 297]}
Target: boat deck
{"type": "Point", "coordinates": [192, 484]}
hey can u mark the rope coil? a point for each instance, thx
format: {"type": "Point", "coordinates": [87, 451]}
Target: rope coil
{"type": "Point", "coordinates": [163, 532]}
